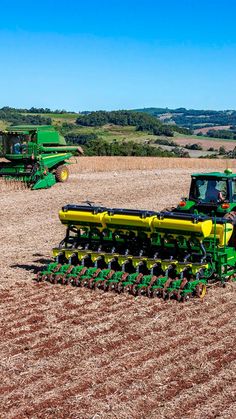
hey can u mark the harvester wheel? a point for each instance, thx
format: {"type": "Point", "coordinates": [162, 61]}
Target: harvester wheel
{"type": "Point", "coordinates": [62, 173]}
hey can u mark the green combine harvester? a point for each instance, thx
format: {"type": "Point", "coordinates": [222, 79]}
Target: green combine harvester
{"type": "Point", "coordinates": [36, 155]}
{"type": "Point", "coordinates": [173, 253]}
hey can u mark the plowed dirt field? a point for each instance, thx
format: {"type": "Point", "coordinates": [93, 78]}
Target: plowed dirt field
{"type": "Point", "coordinates": [75, 353]}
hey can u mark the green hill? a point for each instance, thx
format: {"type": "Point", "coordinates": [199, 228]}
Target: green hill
{"type": "Point", "coordinates": [192, 118]}
{"type": "Point", "coordinates": [152, 132]}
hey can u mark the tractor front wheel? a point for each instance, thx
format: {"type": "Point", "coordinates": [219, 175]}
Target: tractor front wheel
{"type": "Point", "coordinates": [62, 173]}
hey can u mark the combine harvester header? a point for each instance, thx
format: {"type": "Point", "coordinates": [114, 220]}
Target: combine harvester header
{"type": "Point", "coordinates": [174, 253]}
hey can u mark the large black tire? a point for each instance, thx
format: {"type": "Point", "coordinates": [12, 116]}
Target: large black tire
{"type": "Point", "coordinates": [62, 173]}
{"type": "Point", "coordinates": [231, 216]}
{"type": "Point", "coordinates": [168, 209]}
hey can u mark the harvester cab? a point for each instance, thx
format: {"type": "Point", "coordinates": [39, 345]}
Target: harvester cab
{"type": "Point", "coordinates": [36, 155]}
{"type": "Point", "coordinates": [169, 254]}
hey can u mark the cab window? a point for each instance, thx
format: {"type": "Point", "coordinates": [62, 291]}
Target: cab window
{"type": "Point", "coordinates": [234, 190]}
{"type": "Point", "coordinates": [210, 190]}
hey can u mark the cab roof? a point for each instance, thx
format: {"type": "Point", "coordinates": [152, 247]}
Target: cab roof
{"type": "Point", "coordinates": [26, 129]}
{"type": "Point", "coordinates": [227, 174]}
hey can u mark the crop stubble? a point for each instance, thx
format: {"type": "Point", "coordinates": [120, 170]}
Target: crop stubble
{"type": "Point", "coordinates": [76, 353]}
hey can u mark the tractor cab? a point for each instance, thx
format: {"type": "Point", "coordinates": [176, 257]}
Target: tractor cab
{"type": "Point", "coordinates": [211, 193]}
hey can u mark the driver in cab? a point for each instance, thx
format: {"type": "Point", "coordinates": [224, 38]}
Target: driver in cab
{"type": "Point", "coordinates": [212, 193]}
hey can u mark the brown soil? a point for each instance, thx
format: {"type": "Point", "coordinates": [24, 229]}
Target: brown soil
{"type": "Point", "coordinates": [205, 143]}
{"type": "Point", "coordinates": [214, 128]}
{"type": "Point", "coordinates": [77, 353]}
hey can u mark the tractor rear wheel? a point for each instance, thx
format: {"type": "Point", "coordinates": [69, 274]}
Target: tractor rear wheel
{"type": "Point", "coordinates": [62, 173]}
{"type": "Point", "coordinates": [168, 209]}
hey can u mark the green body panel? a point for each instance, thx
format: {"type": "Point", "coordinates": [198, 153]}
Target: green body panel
{"type": "Point", "coordinates": [223, 211]}
{"type": "Point", "coordinates": [53, 160]}
{"type": "Point", "coordinates": [45, 134]}
{"type": "Point", "coordinates": [188, 206]}
{"type": "Point", "coordinates": [46, 182]}
{"type": "Point", "coordinates": [33, 154]}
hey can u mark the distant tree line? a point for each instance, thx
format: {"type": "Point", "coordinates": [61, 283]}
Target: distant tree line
{"type": "Point", "coordinates": [209, 120]}
{"type": "Point", "coordinates": [192, 118]}
{"type": "Point", "coordinates": [80, 139]}
{"type": "Point", "coordinates": [94, 146]}
{"type": "Point", "coordinates": [224, 134]}
{"type": "Point", "coordinates": [142, 121]}
{"type": "Point", "coordinates": [163, 141]}
{"type": "Point", "coordinates": [181, 130]}
{"type": "Point", "coordinates": [184, 111]}
{"type": "Point", "coordinates": [16, 118]}
{"type": "Point", "coordinates": [194, 146]}
{"type": "Point", "coordinates": [34, 110]}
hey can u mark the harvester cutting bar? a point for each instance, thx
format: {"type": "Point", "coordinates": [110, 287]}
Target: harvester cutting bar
{"type": "Point", "coordinates": [15, 171]}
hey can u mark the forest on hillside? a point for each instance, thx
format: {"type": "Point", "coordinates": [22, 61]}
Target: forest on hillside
{"type": "Point", "coordinates": [15, 117]}
{"type": "Point", "coordinates": [142, 121]}
{"type": "Point", "coordinates": [157, 119]}
{"type": "Point", "coordinates": [192, 118]}
{"type": "Point", "coordinates": [97, 133]}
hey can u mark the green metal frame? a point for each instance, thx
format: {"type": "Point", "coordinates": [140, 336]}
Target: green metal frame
{"type": "Point", "coordinates": [132, 257]}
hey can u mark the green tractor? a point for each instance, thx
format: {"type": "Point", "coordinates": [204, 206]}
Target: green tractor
{"type": "Point", "coordinates": [212, 194]}
{"type": "Point", "coordinates": [174, 253]}
{"type": "Point", "coordinates": [36, 155]}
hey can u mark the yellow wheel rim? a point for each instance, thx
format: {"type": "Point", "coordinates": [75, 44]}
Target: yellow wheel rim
{"type": "Point", "coordinates": [203, 291]}
{"type": "Point", "coordinates": [64, 175]}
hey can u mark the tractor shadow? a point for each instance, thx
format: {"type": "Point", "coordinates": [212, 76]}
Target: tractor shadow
{"type": "Point", "coordinates": [31, 267]}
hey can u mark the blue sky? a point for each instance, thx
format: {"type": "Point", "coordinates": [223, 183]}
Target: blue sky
{"type": "Point", "coordinates": [117, 54]}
